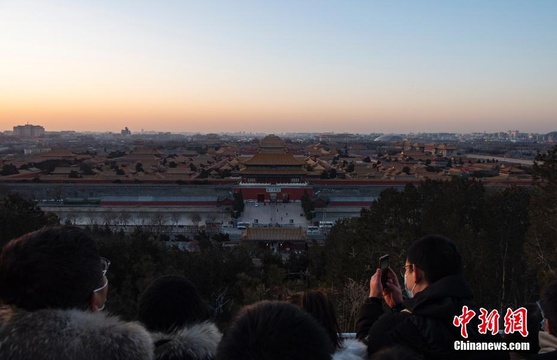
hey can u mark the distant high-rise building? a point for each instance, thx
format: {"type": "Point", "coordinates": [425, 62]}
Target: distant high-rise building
{"type": "Point", "coordinates": [126, 132]}
{"type": "Point", "coordinates": [513, 134]}
{"type": "Point", "coordinates": [28, 131]}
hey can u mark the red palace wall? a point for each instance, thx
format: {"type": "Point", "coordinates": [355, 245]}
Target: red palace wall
{"type": "Point", "coordinates": [261, 193]}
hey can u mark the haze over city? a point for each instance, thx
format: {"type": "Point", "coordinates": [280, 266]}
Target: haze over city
{"type": "Point", "coordinates": [221, 66]}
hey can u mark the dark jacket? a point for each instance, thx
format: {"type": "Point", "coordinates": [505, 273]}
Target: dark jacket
{"type": "Point", "coordinates": [70, 335]}
{"type": "Point", "coordinates": [425, 325]}
{"type": "Point", "coordinates": [552, 355]}
{"type": "Point", "coordinates": [194, 342]}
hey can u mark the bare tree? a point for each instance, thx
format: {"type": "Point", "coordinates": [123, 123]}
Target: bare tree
{"type": "Point", "coordinates": [220, 301]}
{"type": "Point", "coordinates": [70, 219]}
{"type": "Point", "coordinates": [349, 302]}
{"type": "Point", "coordinates": [195, 219]}
{"type": "Point", "coordinates": [175, 217]}
{"type": "Point", "coordinates": [108, 217]}
{"type": "Point", "coordinates": [124, 218]}
{"type": "Point", "coordinates": [90, 219]}
{"type": "Point", "coordinates": [158, 223]}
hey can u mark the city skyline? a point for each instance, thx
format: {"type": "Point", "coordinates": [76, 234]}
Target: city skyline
{"type": "Point", "coordinates": [37, 130]}
{"type": "Point", "coordinates": [389, 67]}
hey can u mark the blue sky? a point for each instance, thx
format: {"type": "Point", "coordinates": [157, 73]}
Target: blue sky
{"type": "Point", "coordinates": [359, 66]}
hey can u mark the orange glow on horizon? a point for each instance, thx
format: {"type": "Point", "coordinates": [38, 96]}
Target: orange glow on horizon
{"type": "Point", "coordinates": [175, 111]}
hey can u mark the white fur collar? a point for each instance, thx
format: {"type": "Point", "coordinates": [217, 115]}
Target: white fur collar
{"type": "Point", "coordinates": [70, 334]}
{"type": "Point", "coordinates": [198, 341]}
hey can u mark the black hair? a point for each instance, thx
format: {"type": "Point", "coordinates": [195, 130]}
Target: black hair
{"type": "Point", "coordinates": [275, 330]}
{"type": "Point", "coordinates": [437, 256]}
{"type": "Point", "coordinates": [171, 302]}
{"type": "Point", "coordinates": [55, 267]}
{"type": "Point", "coordinates": [319, 305]}
{"type": "Point", "coordinates": [549, 305]}
{"type": "Point", "coordinates": [533, 323]}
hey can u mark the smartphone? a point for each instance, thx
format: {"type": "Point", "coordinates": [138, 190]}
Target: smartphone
{"type": "Point", "coordinates": [384, 266]}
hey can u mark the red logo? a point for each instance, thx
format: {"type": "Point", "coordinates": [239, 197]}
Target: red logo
{"type": "Point", "coordinates": [514, 321]}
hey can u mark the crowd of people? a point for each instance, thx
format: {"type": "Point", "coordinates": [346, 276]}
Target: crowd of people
{"type": "Point", "coordinates": [54, 285]}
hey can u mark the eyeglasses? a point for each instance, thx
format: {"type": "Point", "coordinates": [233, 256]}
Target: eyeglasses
{"type": "Point", "coordinates": [105, 264]}
{"type": "Point", "coordinates": [403, 269]}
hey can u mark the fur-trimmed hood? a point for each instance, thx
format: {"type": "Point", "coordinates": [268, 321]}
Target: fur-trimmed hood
{"type": "Point", "coordinates": [193, 342]}
{"type": "Point", "coordinates": [351, 350]}
{"type": "Point", "coordinates": [70, 334]}
{"type": "Point", "coordinates": [548, 342]}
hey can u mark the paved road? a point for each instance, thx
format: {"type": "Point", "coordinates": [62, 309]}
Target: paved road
{"type": "Point", "coordinates": [290, 214]}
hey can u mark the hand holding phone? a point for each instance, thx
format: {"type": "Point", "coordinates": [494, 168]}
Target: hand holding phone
{"type": "Point", "coordinates": [384, 266]}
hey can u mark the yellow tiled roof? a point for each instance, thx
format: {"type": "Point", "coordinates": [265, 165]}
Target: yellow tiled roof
{"type": "Point", "coordinates": [274, 159]}
{"type": "Point", "coordinates": [260, 171]}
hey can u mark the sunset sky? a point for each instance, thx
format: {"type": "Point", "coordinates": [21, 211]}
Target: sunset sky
{"type": "Point", "coordinates": [279, 66]}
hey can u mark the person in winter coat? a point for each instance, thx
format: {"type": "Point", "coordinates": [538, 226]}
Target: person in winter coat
{"type": "Point", "coordinates": [52, 285]}
{"type": "Point", "coordinates": [437, 292]}
{"type": "Point", "coordinates": [173, 311]}
{"type": "Point", "coordinates": [534, 321]}
{"type": "Point", "coordinates": [548, 337]}
{"type": "Point", "coordinates": [275, 330]}
{"type": "Point", "coordinates": [320, 306]}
